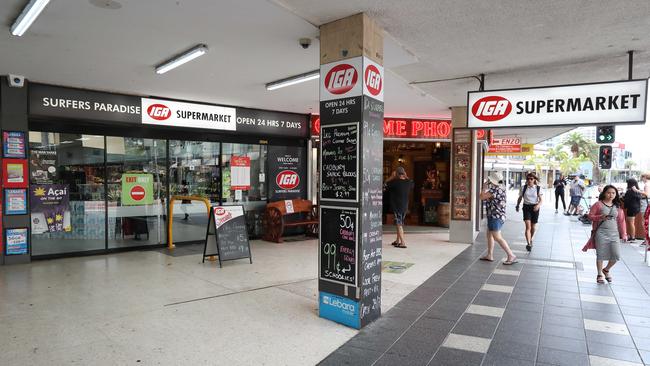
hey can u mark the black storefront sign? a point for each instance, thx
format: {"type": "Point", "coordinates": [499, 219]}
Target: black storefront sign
{"type": "Point", "coordinates": [340, 162]}
{"type": "Point", "coordinates": [71, 103]}
{"type": "Point", "coordinates": [338, 245]}
{"type": "Point", "coordinates": [287, 172]}
{"type": "Point", "coordinates": [340, 110]}
{"type": "Point", "coordinates": [54, 101]}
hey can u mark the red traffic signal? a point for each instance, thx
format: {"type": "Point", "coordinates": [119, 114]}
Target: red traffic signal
{"type": "Point", "coordinates": [605, 157]}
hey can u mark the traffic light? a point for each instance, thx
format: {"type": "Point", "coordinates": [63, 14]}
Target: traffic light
{"type": "Point", "coordinates": [605, 157]}
{"type": "Point", "coordinates": [605, 134]}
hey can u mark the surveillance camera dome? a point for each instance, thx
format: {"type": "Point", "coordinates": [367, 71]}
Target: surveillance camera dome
{"type": "Point", "coordinates": [305, 42]}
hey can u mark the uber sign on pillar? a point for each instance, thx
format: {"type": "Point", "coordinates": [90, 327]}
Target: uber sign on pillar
{"type": "Point", "coordinates": [351, 131]}
{"type": "Point", "coordinates": [583, 104]}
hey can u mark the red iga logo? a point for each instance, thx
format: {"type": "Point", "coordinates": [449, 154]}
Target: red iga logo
{"type": "Point", "coordinates": [372, 77]}
{"type": "Point", "coordinates": [341, 79]}
{"type": "Point", "coordinates": [491, 108]}
{"type": "Point", "coordinates": [220, 211]}
{"type": "Point", "coordinates": [287, 179]}
{"type": "Point", "coordinates": [159, 112]}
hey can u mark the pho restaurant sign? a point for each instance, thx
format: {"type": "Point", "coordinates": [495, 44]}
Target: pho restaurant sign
{"type": "Point", "coordinates": [581, 104]}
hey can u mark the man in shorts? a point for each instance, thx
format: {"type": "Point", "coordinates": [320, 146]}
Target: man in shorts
{"type": "Point", "coordinates": [575, 191]}
{"type": "Point", "coordinates": [530, 194]}
{"type": "Point", "coordinates": [399, 186]}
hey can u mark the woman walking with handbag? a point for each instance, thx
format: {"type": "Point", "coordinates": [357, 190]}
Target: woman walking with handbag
{"type": "Point", "coordinates": [608, 227]}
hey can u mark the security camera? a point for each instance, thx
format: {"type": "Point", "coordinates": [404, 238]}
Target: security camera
{"type": "Point", "coordinates": [16, 81]}
{"type": "Point", "coordinates": [305, 42]}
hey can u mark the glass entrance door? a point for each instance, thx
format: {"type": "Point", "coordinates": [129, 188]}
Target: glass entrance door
{"type": "Point", "coordinates": [193, 171]}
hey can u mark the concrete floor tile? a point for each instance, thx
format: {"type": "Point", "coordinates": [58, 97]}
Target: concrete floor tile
{"type": "Point", "coordinates": [467, 343]}
{"type": "Point", "coordinates": [485, 310]}
{"type": "Point", "coordinates": [607, 327]}
{"type": "Point", "coordinates": [604, 361]}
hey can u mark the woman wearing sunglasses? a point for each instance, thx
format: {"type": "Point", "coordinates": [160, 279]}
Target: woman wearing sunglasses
{"type": "Point", "coordinates": [530, 194]}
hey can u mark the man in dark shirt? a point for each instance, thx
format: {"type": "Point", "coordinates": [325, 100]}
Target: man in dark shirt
{"type": "Point", "coordinates": [399, 186]}
{"type": "Point", "coordinates": [559, 185]}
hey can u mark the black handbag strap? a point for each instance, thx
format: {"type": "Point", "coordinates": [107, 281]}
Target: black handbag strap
{"type": "Point", "coordinates": [601, 221]}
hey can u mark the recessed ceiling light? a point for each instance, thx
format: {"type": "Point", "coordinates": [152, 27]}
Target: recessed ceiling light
{"type": "Point", "coordinates": [182, 58]}
{"type": "Point", "coordinates": [27, 16]}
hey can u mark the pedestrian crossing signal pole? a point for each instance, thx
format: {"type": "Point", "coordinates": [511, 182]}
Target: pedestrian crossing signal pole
{"type": "Point", "coordinates": [605, 134]}
{"type": "Point", "coordinates": [605, 157]}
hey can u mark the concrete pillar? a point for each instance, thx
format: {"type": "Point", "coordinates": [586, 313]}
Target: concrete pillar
{"type": "Point", "coordinates": [351, 119]}
{"type": "Point", "coordinates": [465, 179]}
{"type": "Point", "coordinates": [13, 117]}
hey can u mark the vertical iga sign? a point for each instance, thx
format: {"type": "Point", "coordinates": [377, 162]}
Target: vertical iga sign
{"type": "Point", "coordinates": [373, 79]}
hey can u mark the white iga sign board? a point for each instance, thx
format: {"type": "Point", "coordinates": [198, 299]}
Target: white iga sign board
{"type": "Point", "coordinates": [584, 104]}
{"type": "Point", "coordinates": [180, 114]}
{"type": "Point", "coordinates": [352, 78]}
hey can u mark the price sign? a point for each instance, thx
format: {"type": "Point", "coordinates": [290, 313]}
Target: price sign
{"type": "Point", "coordinates": [338, 245]}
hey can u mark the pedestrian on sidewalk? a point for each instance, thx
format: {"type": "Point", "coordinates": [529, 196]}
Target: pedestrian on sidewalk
{"type": "Point", "coordinates": [399, 185]}
{"type": "Point", "coordinates": [608, 227]}
{"type": "Point", "coordinates": [632, 204]}
{"type": "Point", "coordinates": [645, 207]}
{"type": "Point", "coordinates": [495, 197]}
{"type": "Point", "coordinates": [575, 191]}
{"type": "Point", "coordinates": [559, 185]}
{"type": "Point", "coordinates": [530, 194]}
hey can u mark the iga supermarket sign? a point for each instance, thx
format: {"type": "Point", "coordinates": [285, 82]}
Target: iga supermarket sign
{"type": "Point", "coordinates": [583, 104]}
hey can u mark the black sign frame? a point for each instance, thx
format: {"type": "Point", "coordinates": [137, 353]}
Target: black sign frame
{"type": "Point", "coordinates": [213, 225]}
{"type": "Point", "coordinates": [356, 246]}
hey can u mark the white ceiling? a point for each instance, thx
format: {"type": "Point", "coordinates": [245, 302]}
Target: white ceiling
{"type": "Point", "coordinates": [514, 42]}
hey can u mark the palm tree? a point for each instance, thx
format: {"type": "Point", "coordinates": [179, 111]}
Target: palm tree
{"type": "Point", "coordinates": [583, 149]}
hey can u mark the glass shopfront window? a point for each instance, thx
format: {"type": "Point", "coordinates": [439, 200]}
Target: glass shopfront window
{"type": "Point", "coordinates": [244, 181]}
{"type": "Point", "coordinates": [136, 173]}
{"type": "Point", "coordinates": [66, 192]}
{"type": "Point", "coordinates": [193, 171]}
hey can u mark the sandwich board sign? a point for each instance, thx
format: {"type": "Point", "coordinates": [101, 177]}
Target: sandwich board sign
{"type": "Point", "coordinates": [227, 224]}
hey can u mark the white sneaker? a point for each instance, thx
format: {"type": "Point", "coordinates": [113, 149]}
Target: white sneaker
{"type": "Point", "coordinates": [555, 211]}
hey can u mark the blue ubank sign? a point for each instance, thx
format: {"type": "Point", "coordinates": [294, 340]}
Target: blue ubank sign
{"type": "Point", "coordinates": [339, 309]}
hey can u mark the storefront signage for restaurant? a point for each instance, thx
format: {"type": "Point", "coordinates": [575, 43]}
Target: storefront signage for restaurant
{"type": "Point", "coordinates": [70, 103]}
{"type": "Point", "coordinates": [582, 104]}
{"type": "Point", "coordinates": [406, 128]}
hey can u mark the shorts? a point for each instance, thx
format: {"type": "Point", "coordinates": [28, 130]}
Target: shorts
{"type": "Point", "coordinates": [530, 213]}
{"type": "Point", "coordinates": [632, 211]}
{"type": "Point", "coordinates": [494, 224]}
{"type": "Point", "coordinates": [399, 217]}
{"type": "Point", "coordinates": [575, 200]}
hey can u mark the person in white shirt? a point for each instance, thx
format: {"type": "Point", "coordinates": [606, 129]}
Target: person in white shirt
{"type": "Point", "coordinates": [530, 194]}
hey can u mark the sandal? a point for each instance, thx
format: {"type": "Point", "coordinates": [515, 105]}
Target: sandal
{"type": "Point", "coordinates": [510, 262]}
{"type": "Point", "coordinates": [486, 259]}
{"type": "Point", "coordinates": [599, 279]}
{"type": "Point", "coordinates": [607, 276]}
{"type": "Point", "coordinates": [395, 243]}
{"type": "Point", "coordinates": [401, 246]}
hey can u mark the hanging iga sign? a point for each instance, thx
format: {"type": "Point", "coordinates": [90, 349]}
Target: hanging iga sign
{"type": "Point", "coordinates": [582, 104]}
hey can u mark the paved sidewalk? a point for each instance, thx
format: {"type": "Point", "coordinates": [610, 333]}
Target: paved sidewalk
{"type": "Point", "coordinates": [545, 310]}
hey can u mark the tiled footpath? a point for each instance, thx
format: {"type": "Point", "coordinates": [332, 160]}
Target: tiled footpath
{"type": "Point", "coordinates": [545, 310]}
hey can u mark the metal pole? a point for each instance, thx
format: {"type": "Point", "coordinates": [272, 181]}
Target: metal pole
{"type": "Point", "coordinates": [482, 86]}
{"type": "Point", "coordinates": [630, 65]}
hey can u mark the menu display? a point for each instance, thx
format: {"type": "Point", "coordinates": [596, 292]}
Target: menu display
{"type": "Point", "coordinates": [13, 143]}
{"type": "Point", "coordinates": [338, 245]}
{"type": "Point", "coordinates": [16, 241]}
{"type": "Point", "coordinates": [461, 201]}
{"type": "Point", "coordinates": [228, 223]}
{"type": "Point", "coordinates": [340, 162]}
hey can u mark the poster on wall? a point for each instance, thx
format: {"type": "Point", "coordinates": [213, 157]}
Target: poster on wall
{"type": "Point", "coordinates": [15, 201]}
{"type": "Point", "coordinates": [13, 144]}
{"type": "Point", "coordinates": [42, 164]}
{"type": "Point", "coordinates": [14, 173]}
{"type": "Point", "coordinates": [240, 173]}
{"type": "Point", "coordinates": [50, 208]}
{"type": "Point", "coordinates": [461, 201]}
{"type": "Point", "coordinates": [16, 241]}
{"type": "Point", "coordinates": [137, 189]}
{"type": "Point", "coordinates": [287, 172]}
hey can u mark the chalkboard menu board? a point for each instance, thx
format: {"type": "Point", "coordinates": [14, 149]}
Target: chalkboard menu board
{"type": "Point", "coordinates": [228, 225]}
{"type": "Point", "coordinates": [340, 162]}
{"type": "Point", "coordinates": [338, 245]}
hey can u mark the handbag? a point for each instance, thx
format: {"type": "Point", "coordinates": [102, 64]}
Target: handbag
{"type": "Point", "coordinates": [593, 231]}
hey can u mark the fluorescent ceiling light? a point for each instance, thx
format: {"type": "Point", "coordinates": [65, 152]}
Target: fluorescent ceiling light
{"type": "Point", "coordinates": [182, 58]}
{"type": "Point", "coordinates": [293, 80]}
{"type": "Point", "coordinates": [27, 16]}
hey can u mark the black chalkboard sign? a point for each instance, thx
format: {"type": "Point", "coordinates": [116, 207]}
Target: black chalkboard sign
{"type": "Point", "coordinates": [340, 162]}
{"type": "Point", "coordinates": [228, 225]}
{"type": "Point", "coordinates": [338, 244]}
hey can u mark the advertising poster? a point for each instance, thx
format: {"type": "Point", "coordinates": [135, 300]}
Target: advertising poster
{"type": "Point", "coordinates": [15, 201]}
{"type": "Point", "coordinates": [137, 189]}
{"type": "Point", "coordinates": [287, 172]}
{"type": "Point", "coordinates": [50, 208]}
{"type": "Point", "coordinates": [461, 170]}
{"type": "Point", "coordinates": [240, 173]}
{"type": "Point", "coordinates": [13, 144]}
{"type": "Point", "coordinates": [14, 173]}
{"type": "Point", "coordinates": [42, 165]}
{"type": "Point", "coordinates": [16, 241]}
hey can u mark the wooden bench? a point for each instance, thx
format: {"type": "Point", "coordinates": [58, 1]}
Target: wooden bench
{"type": "Point", "coordinates": [277, 217]}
